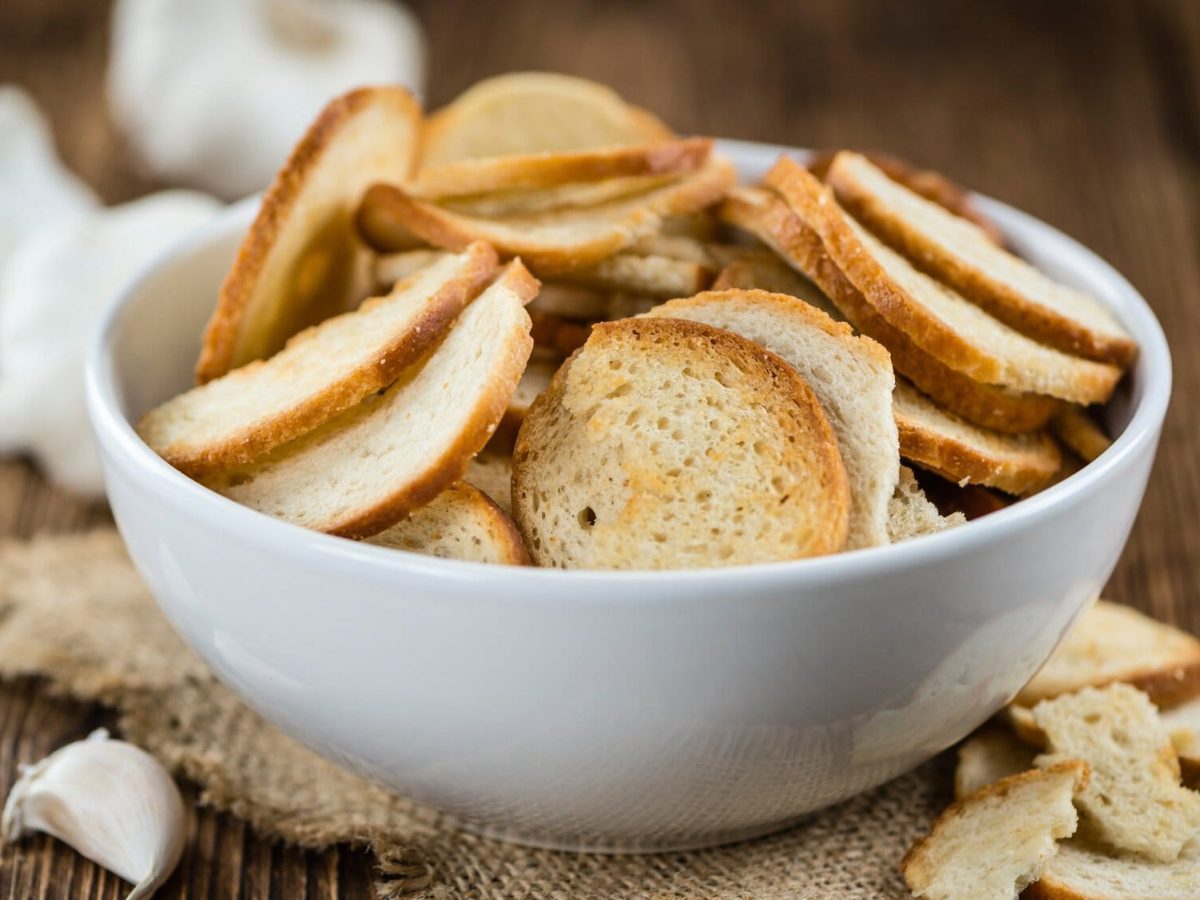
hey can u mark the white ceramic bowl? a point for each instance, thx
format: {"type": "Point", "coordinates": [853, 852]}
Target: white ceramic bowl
{"type": "Point", "coordinates": [617, 710]}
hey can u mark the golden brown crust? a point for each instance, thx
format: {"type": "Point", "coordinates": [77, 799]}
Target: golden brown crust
{"type": "Point", "coordinates": [994, 295]}
{"type": "Point", "coordinates": [250, 443]}
{"type": "Point", "coordinates": [1080, 432]}
{"type": "Point", "coordinates": [536, 170]}
{"type": "Point", "coordinates": [388, 213]}
{"type": "Point", "coordinates": [989, 406]}
{"type": "Point", "coordinates": [931, 185]}
{"type": "Point", "coordinates": [915, 858]}
{"type": "Point", "coordinates": [280, 199]}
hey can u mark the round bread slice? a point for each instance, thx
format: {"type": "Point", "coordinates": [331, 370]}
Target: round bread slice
{"type": "Point", "coordinates": [940, 321]}
{"type": "Point", "coordinates": [1081, 870]}
{"type": "Point", "coordinates": [967, 454]}
{"type": "Point", "coordinates": [531, 112]}
{"type": "Point", "coordinates": [551, 168]}
{"type": "Point", "coordinates": [302, 261]}
{"type": "Point", "coordinates": [322, 371]}
{"type": "Point", "coordinates": [491, 472]}
{"type": "Point", "coordinates": [460, 523]}
{"type": "Point", "coordinates": [551, 242]}
{"type": "Point", "coordinates": [665, 443]}
{"type": "Point", "coordinates": [771, 220]}
{"type": "Point", "coordinates": [368, 468]}
{"type": "Point", "coordinates": [850, 374]}
{"type": "Point", "coordinates": [963, 256]}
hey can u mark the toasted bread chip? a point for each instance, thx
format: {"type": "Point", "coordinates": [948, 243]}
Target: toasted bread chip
{"type": "Point", "coordinates": [1183, 725]}
{"type": "Point", "coordinates": [940, 321]}
{"type": "Point", "coordinates": [1079, 431]}
{"type": "Point", "coordinates": [911, 514]}
{"type": "Point", "coordinates": [775, 276]}
{"type": "Point", "coordinates": [532, 112]}
{"type": "Point", "coordinates": [522, 202]}
{"type": "Point", "coordinates": [1135, 801]}
{"type": "Point", "coordinates": [1110, 643]}
{"type": "Point", "coordinates": [959, 253]}
{"type": "Point", "coordinates": [301, 260]}
{"type": "Point", "coordinates": [850, 374]}
{"type": "Point", "coordinates": [321, 373]}
{"type": "Point", "coordinates": [987, 756]}
{"type": "Point", "coordinates": [931, 185]}
{"type": "Point", "coordinates": [1082, 870]}
{"type": "Point", "coordinates": [491, 472]}
{"type": "Point", "coordinates": [665, 443]}
{"type": "Point", "coordinates": [549, 242]}
{"type": "Point", "coordinates": [776, 224]}
{"type": "Point", "coordinates": [556, 168]}
{"type": "Point", "coordinates": [961, 452]}
{"type": "Point", "coordinates": [651, 276]}
{"type": "Point", "coordinates": [461, 522]}
{"type": "Point", "coordinates": [395, 267]}
{"type": "Point", "coordinates": [376, 463]}
{"type": "Point", "coordinates": [998, 840]}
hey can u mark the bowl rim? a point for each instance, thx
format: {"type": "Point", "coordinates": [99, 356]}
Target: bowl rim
{"type": "Point", "coordinates": [251, 528]}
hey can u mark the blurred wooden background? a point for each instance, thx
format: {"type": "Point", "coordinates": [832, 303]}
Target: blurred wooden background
{"type": "Point", "coordinates": [1086, 113]}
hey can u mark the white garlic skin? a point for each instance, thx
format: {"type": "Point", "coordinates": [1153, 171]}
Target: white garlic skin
{"type": "Point", "coordinates": [110, 801]}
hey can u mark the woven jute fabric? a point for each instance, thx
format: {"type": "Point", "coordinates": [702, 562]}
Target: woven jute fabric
{"type": "Point", "coordinates": [74, 612]}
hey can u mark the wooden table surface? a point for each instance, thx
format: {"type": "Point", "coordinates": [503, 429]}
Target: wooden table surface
{"type": "Point", "coordinates": [1083, 112]}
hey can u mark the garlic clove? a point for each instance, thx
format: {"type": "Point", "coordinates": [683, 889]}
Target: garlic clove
{"type": "Point", "coordinates": [52, 293]}
{"type": "Point", "coordinates": [215, 94]}
{"type": "Point", "coordinates": [110, 801]}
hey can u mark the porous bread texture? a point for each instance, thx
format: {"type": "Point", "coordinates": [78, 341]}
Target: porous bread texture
{"type": "Point", "coordinates": [1182, 723]}
{"type": "Point", "coordinates": [549, 168]}
{"type": "Point", "coordinates": [530, 112]}
{"type": "Point", "coordinates": [910, 513]}
{"type": "Point", "coordinates": [850, 374]}
{"type": "Point", "coordinates": [940, 321]}
{"type": "Point", "coordinates": [491, 472]}
{"type": "Point", "coordinates": [461, 522]}
{"type": "Point", "coordinates": [373, 465]}
{"type": "Point", "coordinates": [998, 840]}
{"type": "Point", "coordinates": [1112, 642]}
{"type": "Point", "coordinates": [1080, 432]}
{"type": "Point", "coordinates": [1081, 870]}
{"type": "Point", "coordinates": [766, 216]}
{"type": "Point", "coordinates": [960, 254]}
{"type": "Point", "coordinates": [301, 260]}
{"type": "Point", "coordinates": [1134, 801]}
{"type": "Point", "coordinates": [549, 242]}
{"type": "Point", "coordinates": [990, 754]}
{"type": "Point", "coordinates": [964, 453]}
{"type": "Point", "coordinates": [647, 275]}
{"type": "Point", "coordinates": [319, 374]}
{"type": "Point", "coordinates": [665, 443]}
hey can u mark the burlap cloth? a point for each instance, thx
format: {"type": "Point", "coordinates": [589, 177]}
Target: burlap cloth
{"type": "Point", "coordinates": [73, 611]}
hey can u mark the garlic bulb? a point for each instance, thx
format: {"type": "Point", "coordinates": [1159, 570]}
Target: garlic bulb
{"type": "Point", "coordinates": [109, 800]}
{"type": "Point", "coordinates": [214, 94]}
{"type": "Point", "coordinates": [52, 292]}
{"type": "Point", "coordinates": [35, 188]}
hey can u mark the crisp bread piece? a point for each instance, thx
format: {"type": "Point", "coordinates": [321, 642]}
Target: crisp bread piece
{"type": "Point", "coordinates": [644, 275]}
{"type": "Point", "coordinates": [555, 168]}
{"type": "Point", "coordinates": [1134, 802]}
{"type": "Point", "coordinates": [911, 514]}
{"type": "Point", "coordinates": [850, 374]}
{"type": "Point", "coordinates": [524, 202]}
{"type": "Point", "coordinates": [1183, 725]}
{"type": "Point", "coordinates": [771, 220]}
{"type": "Point", "coordinates": [998, 840]}
{"type": "Point", "coordinates": [301, 260]}
{"type": "Point", "coordinates": [987, 756]}
{"type": "Point", "coordinates": [665, 443]}
{"type": "Point", "coordinates": [1111, 643]}
{"type": "Point", "coordinates": [937, 319]}
{"type": "Point", "coordinates": [1083, 870]}
{"type": "Point", "coordinates": [378, 462]}
{"type": "Point", "coordinates": [531, 112]}
{"type": "Point", "coordinates": [1080, 432]}
{"type": "Point", "coordinates": [961, 452]}
{"type": "Point", "coordinates": [962, 255]}
{"type": "Point", "coordinates": [461, 522]}
{"type": "Point", "coordinates": [491, 472]}
{"type": "Point", "coordinates": [392, 267]}
{"type": "Point", "coordinates": [319, 374]}
{"type": "Point", "coordinates": [549, 242]}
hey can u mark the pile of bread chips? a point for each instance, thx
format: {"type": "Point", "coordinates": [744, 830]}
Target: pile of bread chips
{"type": "Point", "coordinates": [536, 326]}
{"type": "Point", "coordinates": [1085, 787]}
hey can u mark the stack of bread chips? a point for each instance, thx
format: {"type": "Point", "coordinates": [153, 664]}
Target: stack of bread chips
{"type": "Point", "coordinates": [537, 326]}
{"type": "Point", "coordinates": [1084, 788]}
